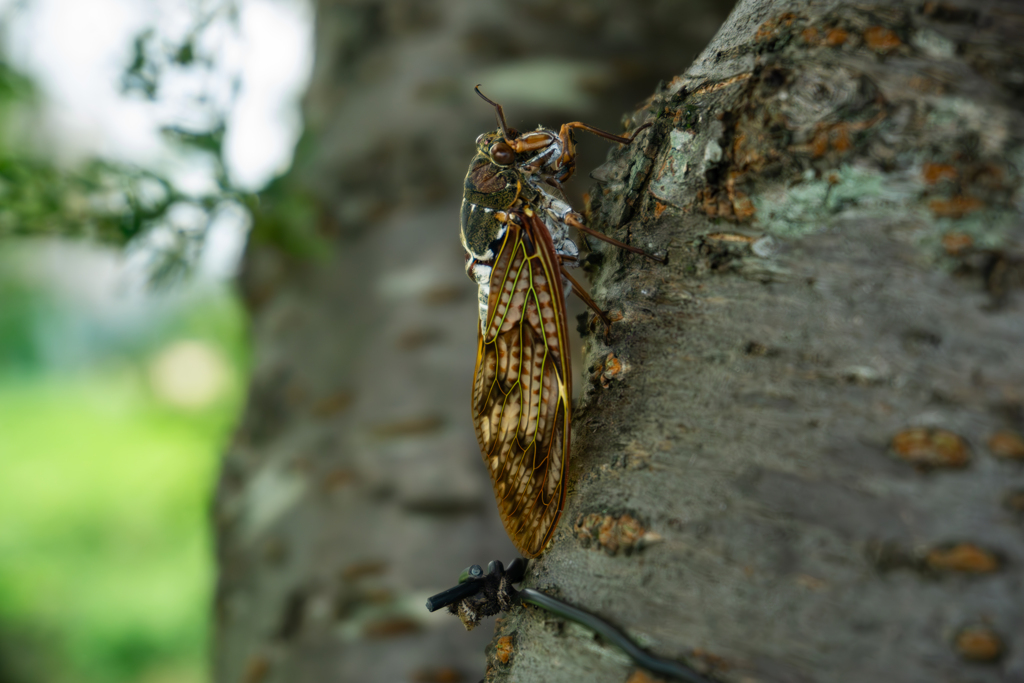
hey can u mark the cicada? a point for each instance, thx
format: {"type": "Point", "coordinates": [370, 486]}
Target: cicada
{"type": "Point", "coordinates": [515, 225]}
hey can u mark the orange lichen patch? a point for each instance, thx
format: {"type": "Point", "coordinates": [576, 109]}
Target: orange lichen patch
{"type": "Point", "coordinates": [933, 173]}
{"type": "Point", "coordinates": [742, 206]}
{"type": "Point", "coordinates": [609, 368]}
{"type": "Point", "coordinates": [676, 84]}
{"type": "Point", "coordinates": [1007, 444]}
{"type": "Point", "coordinates": [957, 207]}
{"type": "Point", "coordinates": [881, 39]}
{"type": "Point", "coordinates": [931, 448]}
{"type": "Point", "coordinates": [770, 28]}
{"type": "Point", "coordinates": [336, 479]}
{"type": "Point", "coordinates": [730, 237]}
{"type": "Point", "coordinates": [504, 650]}
{"type": "Point", "coordinates": [442, 675]}
{"type": "Point", "coordinates": [836, 137]}
{"type": "Point", "coordinates": [358, 570]}
{"type": "Point", "coordinates": [811, 582]}
{"type": "Point", "coordinates": [641, 676]}
{"type": "Point", "coordinates": [836, 37]}
{"type": "Point", "coordinates": [926, 85]}
{"type": "Point", "coordinates": [410, 340]}
{"type": "Point", "coordinates": [659, 208]}
{"type": "Point", "coordinates": [810, 35]}
{"type": "Point", "coordinates": [411, 427]}
{"type": "Point", "coordinates": [713, 205]}
{"type": "Point", "coordinates": [587, 207]}
{"type": "Point", "coordinates": [256, 669]}
{"type": "Point", "coordinates": [1014, 501]}
{"type": "Point", "coordinates": [756, 348]}
{"type": "Point", "coordinates": [712, 660]}
{"type": "Point", "coordinates": [956, 243]}
{"type": "Point", "coordinates": [442, 294]}
{"type": "Point", "coordinates": [718, 85]}
{"type": "Point", "coordinates": [333, 404]}
{"type": "Point", "coordinates": [819, 145]}
{"type": "Point", "coordinates": [612, 534]}
{"type": "Point", "coordinates": [840, 138]}
{"type": "Point", "coordinates": [979, 644]}
{"type": "Point", "coordinates": [963, 557]}
{"type": "Point", "coordinates": [376, 596]}
{"type": "Point", "coordinates": [390, 628]}
{"type": "Point", "coordinates": [745, 151]}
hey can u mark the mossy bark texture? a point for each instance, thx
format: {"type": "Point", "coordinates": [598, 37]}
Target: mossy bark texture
{"type": "Point", "coordinates": [798, 455]}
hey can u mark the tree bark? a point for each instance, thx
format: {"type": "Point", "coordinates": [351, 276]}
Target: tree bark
{"type": "Point", "coordinates": [798, 456]}
{"type": "Point", "coordinates": [353, 488]}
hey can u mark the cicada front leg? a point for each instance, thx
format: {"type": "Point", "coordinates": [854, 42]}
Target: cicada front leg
{"type": "Point", "coordinates": [566, 163]}
{"type": "Point", "coordinates": [574, 220]}
{"type": "Point", "coordinates": [585, 298]}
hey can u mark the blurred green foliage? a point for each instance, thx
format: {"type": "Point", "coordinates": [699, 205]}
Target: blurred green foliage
{"type": "Point", "coordinates": [105, 485]}
{"type": "Point", "coordinates": [101, 200]}
{"type": "Point", "coordinates": [116, 202]}
{"type": "Point", "coordinates": [106, 563]}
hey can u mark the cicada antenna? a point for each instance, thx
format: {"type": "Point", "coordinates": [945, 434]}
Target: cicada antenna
{"type": "Point", "coordinates": [499, 113]}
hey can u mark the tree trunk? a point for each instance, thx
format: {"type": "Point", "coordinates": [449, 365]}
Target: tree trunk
{"type": "Point", "coordinates": [812, 416]}
{"type": "Point", "coordinates": [354, 488]}
{"type": "Point", "coordinates": [798, 454]}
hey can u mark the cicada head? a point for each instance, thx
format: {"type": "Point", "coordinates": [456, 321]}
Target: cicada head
{"type": "Point", "coordinates": [495, 146]}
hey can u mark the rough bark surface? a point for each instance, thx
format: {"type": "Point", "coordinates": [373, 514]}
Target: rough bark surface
{"type": "Point", "coordinates": [354, 488]}
{"type": "Point", "coordinates": [799, 454]}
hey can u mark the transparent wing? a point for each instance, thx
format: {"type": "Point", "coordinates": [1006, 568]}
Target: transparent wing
{"type": "Point", "coordinates": [522, 396]}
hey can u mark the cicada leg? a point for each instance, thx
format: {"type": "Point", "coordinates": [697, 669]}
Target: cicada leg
{"type": "Point", "coordinates": [555, 183]}
{"type": "Point", "coordinates": [582, 294]}
{"type": "Point", "coordinates": [569, 146]}
{"type": "Point", "coordinates": [575, 222]}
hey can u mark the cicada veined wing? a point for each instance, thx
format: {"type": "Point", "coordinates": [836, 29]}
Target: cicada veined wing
{"type": "Point", "coordinates": [522, 393]}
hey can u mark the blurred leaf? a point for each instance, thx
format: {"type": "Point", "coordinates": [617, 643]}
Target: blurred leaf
{"type": "Point", "coordinates": [142, 74]}
{"type": "Point", "coordinates": [14, 86]}
{"type": "Point", "coordinates": [185, 54]}
{"type": "Point", "coordinates": [208, 141]}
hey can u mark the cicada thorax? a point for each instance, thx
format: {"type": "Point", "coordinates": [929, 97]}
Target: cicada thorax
{"type": "Point", "coordinates": [489, 189]}
{"type": "Point", "coordinates": [492, 188]}
{"type": "Point", "coordinates": [546, 156]}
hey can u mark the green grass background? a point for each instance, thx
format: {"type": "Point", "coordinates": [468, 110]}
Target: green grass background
{"type": "Point", "coordinates": [106, 564]}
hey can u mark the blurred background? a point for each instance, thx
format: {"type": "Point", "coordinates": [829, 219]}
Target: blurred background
{"type": "Point", "coordinates": [132, 136]}
{"type": "Point", "coordinates": [143, 145]}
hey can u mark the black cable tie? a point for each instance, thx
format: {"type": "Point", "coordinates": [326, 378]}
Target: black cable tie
{"type": "Point", "coordinates": [495, 600]}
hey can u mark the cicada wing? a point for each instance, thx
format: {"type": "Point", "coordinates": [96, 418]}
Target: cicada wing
{"type": "Point", "coordinates": [522, 396]}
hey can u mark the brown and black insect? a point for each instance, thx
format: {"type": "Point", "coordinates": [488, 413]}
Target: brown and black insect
{"type": "Point", "coordinates": [515, 229]}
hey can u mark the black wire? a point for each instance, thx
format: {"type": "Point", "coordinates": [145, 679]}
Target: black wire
{"type": "Point", "coordinates": [658, 665]}
{"type": "Point", "coordinates": [472, 583]}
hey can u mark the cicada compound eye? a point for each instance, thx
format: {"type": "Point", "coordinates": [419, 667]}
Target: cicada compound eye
{"type": "Point", "coordinates": [502, 154]}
